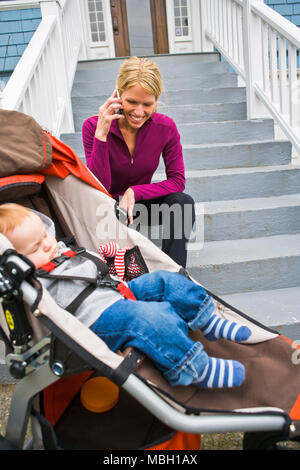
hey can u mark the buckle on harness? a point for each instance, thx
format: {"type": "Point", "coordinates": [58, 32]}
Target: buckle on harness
{"type": "Point", "coordinates": [54, 263]}
{"type": "Point", "coordinates": [107, 281]}
{"type": "Point", "coordinates": [119, 286]}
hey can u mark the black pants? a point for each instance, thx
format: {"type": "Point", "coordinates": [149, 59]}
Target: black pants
{"type": "Point", "coordinates": [176, 213]}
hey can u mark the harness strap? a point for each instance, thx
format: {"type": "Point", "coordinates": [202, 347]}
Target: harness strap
{"type": "Point", "coordinates": [103, 278]}
{"type": "Point", "coordinates": [75, 304]}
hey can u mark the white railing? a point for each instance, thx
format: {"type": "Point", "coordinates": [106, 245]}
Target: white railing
{"type": "Point", "coordinates": [263, 48]}
{"type": "Point", "coordinates": [41, 83]}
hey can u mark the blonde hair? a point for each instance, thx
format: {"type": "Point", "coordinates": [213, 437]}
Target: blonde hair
{"type": "Point", "coordinates": [11, 216]}
{"type": "Point", "coordinates": [144, 72]}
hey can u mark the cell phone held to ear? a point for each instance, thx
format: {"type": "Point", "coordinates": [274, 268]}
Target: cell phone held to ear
{"type": "Point", "coordinates": [119, 111]}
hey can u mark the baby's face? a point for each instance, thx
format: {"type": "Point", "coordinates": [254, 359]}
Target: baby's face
{"type": "Point", "coordinates": [32, 240]}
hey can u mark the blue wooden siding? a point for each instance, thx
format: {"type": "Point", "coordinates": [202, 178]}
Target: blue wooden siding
{"type": "Point", "coordinates": [16, 29]}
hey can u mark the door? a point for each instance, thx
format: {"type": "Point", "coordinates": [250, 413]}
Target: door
{"type": "Point", "coordinates": [159, 26]}
{"type": "Point", "coordinates": [139, 27]}
{"type": "Point", "coordinates": [120, 27]}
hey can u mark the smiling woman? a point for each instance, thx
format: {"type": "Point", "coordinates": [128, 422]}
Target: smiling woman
{"type": "Point", "coordinates": [123, 146]}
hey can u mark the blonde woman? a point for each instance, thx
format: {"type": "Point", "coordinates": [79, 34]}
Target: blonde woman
{"type": "Point", "coordinates": [123, 146]}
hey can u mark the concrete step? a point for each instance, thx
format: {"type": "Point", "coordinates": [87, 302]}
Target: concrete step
{"type": "Point", "coordinates": [203, 96]}
{"type": "Point", "coordinates": [240, 183]}
{"type": "Point", "coordinates": [110, 71]}
{"type": "Point", "coordinates": [229, 155]}
{"type": "Point", "coordinates": [251, 154]}
{"type": "Point", "coordinates": [205, 112]}
{"type": "Point", "coordinates": [247, 265]}
{"type": "Point", "coordinates": [204, 133]}
{"type": "Point", "coordinates": [107, 85]}
{"type": "Point", "coordinates": [278, 309]}
{"type": "Point", "coordinates": [179, 63]}
{"type": "Point", "coordinates": [167, 98]}
{"type": "Point", "coordinates": [180, 113]}
{"type": "Point", "coordinates": [249, 218]}
{"type": "Point", "coordinates": [227, 131]}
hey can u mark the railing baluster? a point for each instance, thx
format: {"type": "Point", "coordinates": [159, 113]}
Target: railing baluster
{"type": "Point", "coordinates": [293, 89]}
{"type": "Point", "coordinates": [234, 35]}
{"type": "Point", "coordinates": [224, 22]}
{"type": "Point", "coordinates": [283, 92]}
{"type": "Point", "coordinates": [265, 57]}
{"type": "Point", "coordinates": [273, 66]}
{"type": "Point", "coordinates": [240, 36]}
{"type": "Point", "coordinates": [229, 27]}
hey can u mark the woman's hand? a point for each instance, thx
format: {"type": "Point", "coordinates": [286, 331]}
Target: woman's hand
{"type": "Point", "coordinates": [107, 113]}
{"type": "Point", "coordinates": [127, 203]}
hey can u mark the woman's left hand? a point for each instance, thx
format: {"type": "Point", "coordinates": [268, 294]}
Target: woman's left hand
{"type": "Point", "coordinates": [127, 203]}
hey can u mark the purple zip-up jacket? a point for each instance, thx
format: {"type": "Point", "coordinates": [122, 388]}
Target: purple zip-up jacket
{"type": "Point", "coordinates": [114, 167]}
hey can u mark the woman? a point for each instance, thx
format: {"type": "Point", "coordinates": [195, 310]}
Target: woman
{"type": "Point", "coordinates": [123, 145]}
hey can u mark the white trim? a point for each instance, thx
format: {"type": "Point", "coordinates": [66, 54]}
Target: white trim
{"type": "Point", "coordinates": [101, 49]}
{"type": "Point", "coordinates": [190, 35]}
{"type": "Point", "coordinates": [170, 24]}
{"type": "Point", "coordinates": [184, 44]}
{"type": "Point", "coordinates": [92, 43]}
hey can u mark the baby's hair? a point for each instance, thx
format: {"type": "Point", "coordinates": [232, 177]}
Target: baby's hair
{"type": "Point", "coordinates": [11, 216]}
{"type": "Point", "coordinates": [137, 70]}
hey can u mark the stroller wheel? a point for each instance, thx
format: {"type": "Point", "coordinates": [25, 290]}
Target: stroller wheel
{"type": "Point", "coordinates": [265, 441]}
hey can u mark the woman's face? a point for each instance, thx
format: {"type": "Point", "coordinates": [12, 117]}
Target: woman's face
{"type": "Point", "coordinates": [138, 106]}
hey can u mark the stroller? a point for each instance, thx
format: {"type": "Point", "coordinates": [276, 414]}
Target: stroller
{"type": "Point", "coordinates": [52, 355]}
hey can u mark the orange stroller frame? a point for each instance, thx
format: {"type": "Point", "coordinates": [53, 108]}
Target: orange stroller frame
{"type": "Point", "coordinates": [54, 354]}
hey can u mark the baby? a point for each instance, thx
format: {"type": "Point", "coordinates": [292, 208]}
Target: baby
{"type": "Point", "coordinates": [167, 305]}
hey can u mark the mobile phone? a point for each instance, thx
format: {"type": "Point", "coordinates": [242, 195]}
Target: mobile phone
{"type": "Point", "coordinates": [119, 111]}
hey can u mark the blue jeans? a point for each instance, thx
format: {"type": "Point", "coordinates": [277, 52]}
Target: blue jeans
{"type": "Point", "coordinates": [157, 323]}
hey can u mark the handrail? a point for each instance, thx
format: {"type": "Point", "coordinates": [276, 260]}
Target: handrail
{"type": "Point", "coordinates": [263, 48]}
{"type": "Point", "coordinates": [42, 80]}
{"type": "Point", "coordinates": [278, 22]}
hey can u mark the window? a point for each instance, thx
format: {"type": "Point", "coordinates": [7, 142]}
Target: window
{"type": "Point", "coordinates": [96, 17]}
{"type": "Point", "coordinates": [181, 18]}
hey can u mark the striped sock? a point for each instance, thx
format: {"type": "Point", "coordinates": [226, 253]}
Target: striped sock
{"type": "Point", "coordinates": [221, 373]}
{"type": "Point", "coordinates": [217, 327]}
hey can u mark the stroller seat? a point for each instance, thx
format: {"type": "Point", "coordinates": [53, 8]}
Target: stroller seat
{"type": "Point", "coordinates": [52, 355]}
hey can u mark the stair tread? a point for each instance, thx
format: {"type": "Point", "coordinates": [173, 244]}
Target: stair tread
{"type": "Point", "coordinates": [169, 75]}
{"type": "Point", "coordinates": [276, 308]}
{"type": "Point", "coordinates": [233, 171]}
{"type": "Point", "coordinates": [232, 144]}
{"type": "Point", "coordinates": [203, 124]}
{"type": "Point", "coordinates": [243, 250]}
{"type": "Point", "coordinates": [200, 91]}
{"type": "Point", "coordinates": [248, 204]}
{"type": "Point", "coordinates": [202, 57]}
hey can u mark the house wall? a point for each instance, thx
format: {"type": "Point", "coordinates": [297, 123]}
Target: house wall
{"type": "Point", "coordinates": [16, 29]}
